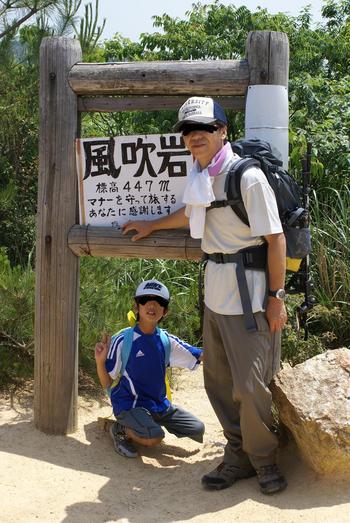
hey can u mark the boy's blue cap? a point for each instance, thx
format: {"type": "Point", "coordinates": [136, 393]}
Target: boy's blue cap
{"type": "Point", "coordinates": [199, 109]}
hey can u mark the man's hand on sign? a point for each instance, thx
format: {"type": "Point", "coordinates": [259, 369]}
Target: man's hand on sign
{"type": "Point", "coordinates": [175, 220]}
{"type": "Point", "coordinates": [142, 227]}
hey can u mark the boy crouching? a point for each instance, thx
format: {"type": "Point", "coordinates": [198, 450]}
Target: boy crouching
{"type": "Point", "coordinates": [132, 367]}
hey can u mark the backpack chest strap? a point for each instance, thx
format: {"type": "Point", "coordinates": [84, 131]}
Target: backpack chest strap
{"type": "Point", "coordinates": [250, 258]}
{"type": "Point", "coordinates": [222, 203]}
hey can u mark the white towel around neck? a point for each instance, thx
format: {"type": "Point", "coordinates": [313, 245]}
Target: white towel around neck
{"type": "Point", "coordinates": [198, 195]}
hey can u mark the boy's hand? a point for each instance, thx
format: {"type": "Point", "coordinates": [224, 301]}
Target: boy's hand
{"type": "Point", "coordinates": [101, 348]}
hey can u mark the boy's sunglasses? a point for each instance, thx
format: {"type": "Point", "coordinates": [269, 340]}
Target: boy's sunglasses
{"type": "Point", "coordinates": [198, 127]}
{"type": "Point", "coordinates": [144, 299]}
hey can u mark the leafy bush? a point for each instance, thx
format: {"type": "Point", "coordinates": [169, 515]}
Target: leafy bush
{"type": "Point", "coordinates": [331, 246]}
{"type": "Point", "coordinates": [16, 320]}
{"type": "Point", "coordinates": [321, 334]}
{"type": "Point", "coordinates": [329, 320]}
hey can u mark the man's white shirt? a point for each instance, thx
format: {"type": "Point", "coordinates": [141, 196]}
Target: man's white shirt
{"type": "Point", "coordinates": [224, 232]}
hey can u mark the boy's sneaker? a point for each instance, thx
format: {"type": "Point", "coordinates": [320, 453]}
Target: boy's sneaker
{"type": "Point", "coordinates": [122, 444]}
{"type": "Point", "coordinates": [225, 475]}
{"type": "Point", "coordinates": [270, 479]}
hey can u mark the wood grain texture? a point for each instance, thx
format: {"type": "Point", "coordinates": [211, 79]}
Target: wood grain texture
{"type": "Point", "coordinates": [174, 244]}
{"type": "Point", "coordinates": [209, 78]}
{"type": "Point", "coordinates": [57, 268]}
{"type": "Point", "coordinates": [267, 53]}
{"type": "Point", "coordinates": [109, 104]}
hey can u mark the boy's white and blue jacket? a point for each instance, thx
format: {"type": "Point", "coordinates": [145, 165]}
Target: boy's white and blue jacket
{"type": "Point", "coordinates": [142, 383]}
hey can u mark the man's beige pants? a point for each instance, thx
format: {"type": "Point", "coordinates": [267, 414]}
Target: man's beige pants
{"type": "Point", "coordinates": [238, 366]}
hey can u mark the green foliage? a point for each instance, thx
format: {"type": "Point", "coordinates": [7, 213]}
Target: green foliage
{"type": "Point", "coordinates": [336, 37]}
{"type": "Point", "coordinates": [329, 320]}
{"type": "Point", "coordinates": [295, 349]}
{"type": "Point", "coordinates": [17, 300]}
{"type": "Point", "coordinates": [16, 320]}
{"type": "Point", "coordinates": [119, 124]}
{"type": "Point", "coordinates": [18, 161]}
{"type": "Point", "coordinates": [106, 295]}
{"type": "Point", "coordinates": [19, 106]}
{"type": "Point", "coordinates": [322, 116]}
{"type": "Point", "coordinates": [328, 329]}
{"type": "Point", "coordinates": [319, 85]}
{"type": "Point", "coordinates": [331, 249]}
{"type": "Point", "coordinates": [120, 49]}
{"type": "Point", "coordinates": [89, 32]}
{"type": "Point", "coordinates": [15, 13]}
{"type": "Point", "coordinates": [55, 17]}
{"type": "Point", "coordinates": [209, 32]}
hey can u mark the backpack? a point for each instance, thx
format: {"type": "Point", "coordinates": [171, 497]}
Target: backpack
{"type": "Point", "coordinates": [293, 216]}
{"type": "Point", "coordinates": [126, 349]}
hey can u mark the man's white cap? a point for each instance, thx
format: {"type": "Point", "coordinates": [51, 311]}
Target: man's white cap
{"type": "Point", "coordinates": [200, 109]}
{"type": "Point", "coordinates": [152, 288]}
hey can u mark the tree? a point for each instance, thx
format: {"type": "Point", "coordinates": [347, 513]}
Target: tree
{"type": "Point", "coordinates": [19, 85]}
{"type": "Point", "coordinates": [14, 13]}
{"type": "Point", "coordinates": [319, 68]}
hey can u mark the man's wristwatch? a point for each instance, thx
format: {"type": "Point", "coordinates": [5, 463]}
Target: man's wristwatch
{"type": "Point", "coordinates": [280, 294]}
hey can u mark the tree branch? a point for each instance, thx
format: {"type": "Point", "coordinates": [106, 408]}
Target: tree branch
{"type": "Point", "coordinates": [16, 344]}
{"type": "Point", "coordinates": [24, 18]}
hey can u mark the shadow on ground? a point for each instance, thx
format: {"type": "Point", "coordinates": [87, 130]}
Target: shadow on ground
{"type": "Point", "coordinates": [163, 485]}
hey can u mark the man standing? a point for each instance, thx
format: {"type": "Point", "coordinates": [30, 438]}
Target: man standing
{"type": "Point", "coordinates": [243, 318]}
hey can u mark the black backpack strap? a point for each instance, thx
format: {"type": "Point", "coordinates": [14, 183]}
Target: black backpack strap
{"type": "Point", "coordinates": [233, 188]}
{"type": "Point", "coordinates": [249, 258]}
{"type": "Point", "coordinates": [237, 171]}
{"type": "Point", "coordinates": [202, 265]}
{"type": "Point", "coordinates": [222, 203]}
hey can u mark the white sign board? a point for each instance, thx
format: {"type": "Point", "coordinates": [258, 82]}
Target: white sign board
{"type": "Point", "coordinates": [130, 178]}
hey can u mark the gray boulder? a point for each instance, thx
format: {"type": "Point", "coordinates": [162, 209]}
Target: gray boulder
{"type": "Point", "coordinates": [313, 400]}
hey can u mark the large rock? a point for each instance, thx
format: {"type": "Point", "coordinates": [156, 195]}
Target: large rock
{"type": "Point", "coordinates": [313, 400]}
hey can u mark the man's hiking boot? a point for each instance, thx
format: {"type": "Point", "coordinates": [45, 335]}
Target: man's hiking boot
{"type": "Point", "coordinates": [122, 444]}
{"type": "Point", "coordinates": [225, 475]}
{"type": "Point", "coordinates": [270, 479]}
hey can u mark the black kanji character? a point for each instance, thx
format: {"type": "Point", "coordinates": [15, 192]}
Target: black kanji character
{"type": "Point", "coordinates": [176, 168]}
{"type": "Point", "coordinates": [113, 187]}
{"type": "Point", "coordinates": [99, 158]}
{"type": "Point", "coordinates": [101, 187]}
{"type": "Point", "coordinates": [145, 162]}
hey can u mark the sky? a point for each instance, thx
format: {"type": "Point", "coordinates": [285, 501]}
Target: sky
{"type": "Point", "coordinates": [132, 17]}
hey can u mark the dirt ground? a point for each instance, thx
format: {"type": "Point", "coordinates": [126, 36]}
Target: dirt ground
{"type": "Point", "coordinates": [79, 478]}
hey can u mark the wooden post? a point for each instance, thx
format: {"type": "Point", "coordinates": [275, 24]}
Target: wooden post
{"type": "Point", "coordinates": [181, 77]}
{"type": "Point", "coordinates": [266, 114]}
{"type": "Point", "coordinates": [267, 53]}
{"type": "Point", "coordinates": [57, 268]}
{"type": "Point", "coordinates": [109, 104]}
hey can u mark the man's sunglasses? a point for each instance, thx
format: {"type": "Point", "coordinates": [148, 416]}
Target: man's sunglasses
{"type": "Point", "coordinates": [198, 127]}
{"type": "Point", "coordinates": [144, 299]}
